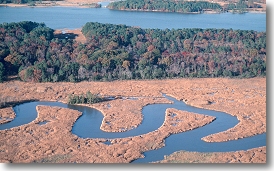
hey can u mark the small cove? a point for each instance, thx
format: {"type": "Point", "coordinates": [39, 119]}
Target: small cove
{"type": "Point", "coordinates": [88, 126]}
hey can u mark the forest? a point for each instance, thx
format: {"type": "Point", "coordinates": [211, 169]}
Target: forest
{"type": "Point", "coordinates": [165, 6]}
{"type": "Point", "coordinates": [181, 6]}
{"type": "Point", "coordinates": [117, 52]}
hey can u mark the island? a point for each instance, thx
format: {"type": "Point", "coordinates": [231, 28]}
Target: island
{"type": "Point", "coordinates": [181, 6]}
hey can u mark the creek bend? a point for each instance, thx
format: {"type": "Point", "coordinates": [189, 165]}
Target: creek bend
{"type": "Point", "coordinates": [88, 126]}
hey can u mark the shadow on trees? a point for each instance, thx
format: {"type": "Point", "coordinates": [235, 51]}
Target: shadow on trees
{"type": "Point", "coordinates": [65, 35]}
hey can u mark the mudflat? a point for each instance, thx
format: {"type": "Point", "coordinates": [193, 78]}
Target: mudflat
{"type": "Point", "coordinates": [53, 142]}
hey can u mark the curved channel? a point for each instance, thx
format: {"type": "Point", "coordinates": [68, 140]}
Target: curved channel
{"type": "Point", "coordinates": [88, 126]}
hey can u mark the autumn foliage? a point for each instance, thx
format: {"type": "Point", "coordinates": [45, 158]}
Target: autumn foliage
{"type": "Point", "coordinates": [30, 50]}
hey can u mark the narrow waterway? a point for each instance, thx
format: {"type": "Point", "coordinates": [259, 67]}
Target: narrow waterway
{"type": "Point", "coordinates": [88, 126]}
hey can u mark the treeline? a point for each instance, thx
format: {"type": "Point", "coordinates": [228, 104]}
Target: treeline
{"type": "Point", "coordinates": [241, 6]}
{"type": "Point", "coordinates": [46, 3]}
{"type": "Point", "coordinates": [165, 6]}
{"type": "Point", "coordinates": [121, 52]}
{"type": "Point", "coordinates": [88, 98]}
{"type": "Point", "coordinates": [13, 1]}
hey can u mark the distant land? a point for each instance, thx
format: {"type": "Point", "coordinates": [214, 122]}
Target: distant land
{"type": "Point", "coordinates": [119, 70]}
{"type": "Point", "coordinates": [253, 5]}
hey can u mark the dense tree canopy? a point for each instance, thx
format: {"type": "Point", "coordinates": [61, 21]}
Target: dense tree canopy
{"type": "Point", "coordinates": [121, 52]}
{"type": "Point", "coordinates": [2, 72]}
{"type": "Point", "coordinates": [166, 6]}
{"type": "Point", "coordinates": [13, 1]}
{"type": "Point", "coordinates": [88, 98]}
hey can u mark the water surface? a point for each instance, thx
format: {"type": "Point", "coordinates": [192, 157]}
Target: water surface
{"type": "Point", "coordinates": [73, 17]}
{"type": "Point", "coordinates": [88, 126]}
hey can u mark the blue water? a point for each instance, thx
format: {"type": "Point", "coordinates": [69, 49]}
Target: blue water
{"type": "Point", "coordinates": [88, 126]}
{"type": "Point", "coordinates": [154, 116]}
{"type": "Point", "coordinates": [71, 18]}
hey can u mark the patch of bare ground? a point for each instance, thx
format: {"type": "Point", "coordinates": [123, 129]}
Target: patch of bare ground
{"type": "Point", "coordinates": [256, 155]}
{"type": "Point", "coordinates": [243, 98]}
{"type": "Point", "coordinates": [71, 34]}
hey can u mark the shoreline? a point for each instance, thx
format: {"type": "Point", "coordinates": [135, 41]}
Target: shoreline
{"type": "Point", "coordinates": [243, 98]}
{"type": "Point", "coordinates": [57, 4]}
{"type": "Point", "coordinates": [196, 98]}
{"type": "Point", "coordinates": [204, 12]}
{"type": "Point", "coordinates": [79, 5]}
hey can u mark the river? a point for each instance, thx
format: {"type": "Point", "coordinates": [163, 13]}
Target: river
{"type": "Point", "coordinates": [74, 17]}
{"type": "Point", "coordinates": [88, 126]}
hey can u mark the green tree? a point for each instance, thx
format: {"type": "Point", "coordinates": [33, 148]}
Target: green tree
{"type": "Point", "coordinates": [2, 72]}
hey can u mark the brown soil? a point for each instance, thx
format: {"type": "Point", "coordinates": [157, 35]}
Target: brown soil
{"type": "Point", "coordinates": [71, 34]}
{"type": "Point", "coordinates": [244, 98]}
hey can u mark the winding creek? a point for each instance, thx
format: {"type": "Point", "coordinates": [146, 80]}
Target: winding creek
{"type": "Point", "coordinates": [88, 126]}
